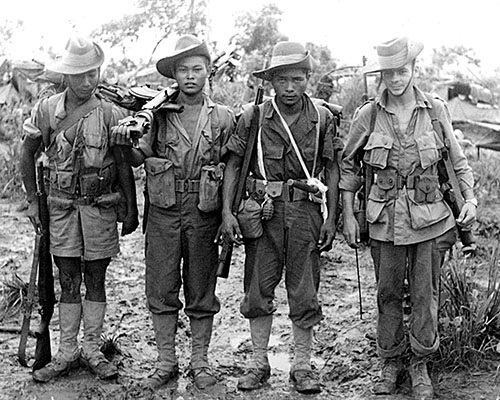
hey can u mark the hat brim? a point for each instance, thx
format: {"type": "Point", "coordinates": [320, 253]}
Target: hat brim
{"type": "Point", "coordinates": [165, 66]}
{"type": "Point", "coordinates": [61, 66]}
{"type": "Point", "coordinates": [376, 66]}
{"type": "Point", "coordinates": [308, 62]}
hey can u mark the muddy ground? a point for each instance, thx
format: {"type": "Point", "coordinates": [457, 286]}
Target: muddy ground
{"type": "Point", "coordinates": [344, 345]}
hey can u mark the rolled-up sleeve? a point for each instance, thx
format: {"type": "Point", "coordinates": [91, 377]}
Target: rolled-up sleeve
{"type": "Point", "coordinates": [350, 166]}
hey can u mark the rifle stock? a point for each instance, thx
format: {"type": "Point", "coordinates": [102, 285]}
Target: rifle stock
{"type": "Point", "coordinates": [226, 250]}
{"type": "Point", "coordinates": [46, 294]}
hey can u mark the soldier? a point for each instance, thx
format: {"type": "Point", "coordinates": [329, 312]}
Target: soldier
{"type": "Point", "coordinates": [73, 130]}
{"type": "Point", "coordinates": [410, 225]}
{"type": "Point", "coordinates": [294, 234]}
{"type": "Point", "coordinates": [183, 161]}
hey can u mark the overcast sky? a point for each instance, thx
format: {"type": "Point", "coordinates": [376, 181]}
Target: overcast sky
{"type": "Point", "coordinates": [350, 28]}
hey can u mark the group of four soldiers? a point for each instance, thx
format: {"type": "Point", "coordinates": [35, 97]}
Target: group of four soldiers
{"type": "Point", "coordinates": [88, 150]}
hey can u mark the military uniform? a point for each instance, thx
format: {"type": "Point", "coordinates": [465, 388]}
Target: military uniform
{"type": "Point", "coordinates": [408, 218]}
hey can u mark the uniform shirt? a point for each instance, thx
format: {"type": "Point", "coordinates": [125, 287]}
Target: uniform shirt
{"type": "Point", "coordinates": [92, 128]}
{"type": "Point", "coordinates": [188, 152]}
{"type": "Point", "coordinates": [280, 160]}
{"type": "Point", "coordinates": [404, 156]}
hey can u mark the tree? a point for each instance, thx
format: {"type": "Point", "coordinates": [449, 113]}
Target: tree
{"type": "Point", "coordinates": [259, 32]}
{"type": "Point", "coordinates": [170, 16]}
{"type": "Point", "coordinates": [7, 32]}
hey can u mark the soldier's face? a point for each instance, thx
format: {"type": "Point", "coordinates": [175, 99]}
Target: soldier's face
{"type": "Point", "coordinates": [398, 80]}
{"type": "Point", "coordinates": [289, 85]}
{"type": "Point", "coordinates": [191, 74]}
{"type": "Point", "coordinates": [83, 85]}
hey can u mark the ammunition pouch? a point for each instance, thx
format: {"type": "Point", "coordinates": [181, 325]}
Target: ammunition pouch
{"type": "Point", "coordinates": [277, 190]}
{"type": "Point", "coordinates": [160, 181]}
{"type": "Point", "coordinates": [210, 196]}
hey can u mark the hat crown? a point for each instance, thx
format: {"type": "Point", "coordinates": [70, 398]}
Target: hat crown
{"type": "Point", "coordinates": [392, 47]}
{"type": "Point", "coordinates": [186, 42]}
{"type": "Point", "coordinates": [282, 49]}
{"type": "Point", "coordinates": [79, 46]}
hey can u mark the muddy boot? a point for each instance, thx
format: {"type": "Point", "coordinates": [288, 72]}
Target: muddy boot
{"type": "Point", "coordinates": [303, 378]}
{"type": "Point", "coordinates": [391, 368]}
{"type": "Point", "coordinates": [259, 371]}
{"type": "Point", "coordinates": [167, 368]}
{"type": "Point", "coordinates": [420, 381]}
{"type": "Point", "coordinates": [67, 357]}
{"type": "Point", "coordinates": [201, 333]}
{"type": "Point", "coordinates": [92, 357]}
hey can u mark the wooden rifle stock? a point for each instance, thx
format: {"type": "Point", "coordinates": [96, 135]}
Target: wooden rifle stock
{"type": "Point", "coordinates": [226, 251]}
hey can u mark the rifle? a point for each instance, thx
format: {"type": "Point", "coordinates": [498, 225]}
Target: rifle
{"type": "Point", "coordinates": [43, 261]}
{"type": "Point", "coordinates": [46, 296]}
{"type": "Point", "coordinates": [451, 188]}
{"type": "Point", "coordinates": [226, 251]}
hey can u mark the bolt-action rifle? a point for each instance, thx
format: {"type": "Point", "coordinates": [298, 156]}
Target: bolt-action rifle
{"type": "Point", "coordinates": [42, 260]}
{"type": "Point", "coordinates": [226, 251]}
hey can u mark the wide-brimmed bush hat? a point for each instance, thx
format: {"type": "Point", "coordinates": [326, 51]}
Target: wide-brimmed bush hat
{"type": "Point", "coordinates": [81, 55]}
{"type": "Point", "coordinates": [186, 46]}
{"type": "Point", "coordinates": [394, 54]}
{"type": "Point", "coordinates": [287, 55]}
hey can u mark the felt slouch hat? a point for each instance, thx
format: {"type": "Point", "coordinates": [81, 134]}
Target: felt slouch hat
{"type": "Point", "coordinates": [81, 55]}
{"type": "Point", "coordinates": [287, 55]}
{"type": "Point", "coordinates": [394, 54]}
{"type": "Point", "coordinates": [186, 46]}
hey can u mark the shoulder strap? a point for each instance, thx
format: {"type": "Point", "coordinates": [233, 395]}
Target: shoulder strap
{"type": "Point", "coordinates": [436, 124]}
{"type": "Point", "coordinates": [373, 116]}
{"type": "Point", "coordinates": [107, 112]}
{"type": "Point", "coordinates": [214, 128]}
{"type": "Point", "coordinates": [73, 118]}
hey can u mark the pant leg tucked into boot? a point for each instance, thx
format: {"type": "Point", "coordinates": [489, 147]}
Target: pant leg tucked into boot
{"type": "Point", "coordinates": [67, 357]}
{"type": "Point", "coordinates": [92, 357]}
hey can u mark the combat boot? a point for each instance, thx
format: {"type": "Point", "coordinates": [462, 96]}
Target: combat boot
{"type": "Point", "coordinates": [391, 368]}
{"type": "Point", "coordinates": [167, 367]}
{"type": "Point", "coordinates": [421, 383]}
{"type": "Point", "coordinates": [67, 357]}
{"type": "Point", "coordinates": [259, 371]}
{"type": "Point", "coordinates": [304, 379]}
{"type": "Point", "coordinates": [92, 357]}
{"type": "Point", "coordinates": [201, 333]}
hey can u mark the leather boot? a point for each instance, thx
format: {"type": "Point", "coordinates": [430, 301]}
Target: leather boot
{"type": "Point", "coordinates": [259, 371]}
{"type": "Point", "coordinates": [391, 368]}
{"type": "Point", "coordinates": [201, 333]}
{"type": "Point", "coordinates": [92, 357]}
{"type": "Point", "coordinates": [167, 367]}
{"type": "Point", "coordinates": [67, 357]}
{"type": "Point", "coordinates": [420, 381]}
{"type": "Point", "coordinates": [304, 379]}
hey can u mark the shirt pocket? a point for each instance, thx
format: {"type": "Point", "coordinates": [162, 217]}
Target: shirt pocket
{"type": "Point", "coordinates": [160, 180]}
{"type": "Point", "coordinates": [377, 149]}
{"type": "Point", "coordinates": [428, 149]}
{"type": "Point", "coordinates": [423, 215]}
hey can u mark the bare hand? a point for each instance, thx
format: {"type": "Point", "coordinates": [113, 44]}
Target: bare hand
{"type": "Point", "coordinates": [230, 229]}
{"type": "Point", "coordinates": [128, 131]}
{"type": "Point", "coordinates": [351, 231]}
{"type": "Point", "coordinates": [33, 215]}
{"type": "Point", "coordinates": [467, 215]}
{"type": "Point", "coordinates": [130, 223]}
{"type": "Point", "coordinates": [326, 236]}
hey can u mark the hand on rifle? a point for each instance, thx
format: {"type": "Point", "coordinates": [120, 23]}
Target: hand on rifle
{"type": "Point", "coordinates": [34, 215]}
{"type": "Point", "coordinates": [467, 215]}
{"type": "Point", "coordinates": [230, 230]}
{"type": "Point", "coordinates": [128, 131]}
{"type": "Point", "coordinates": [351, 230]}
